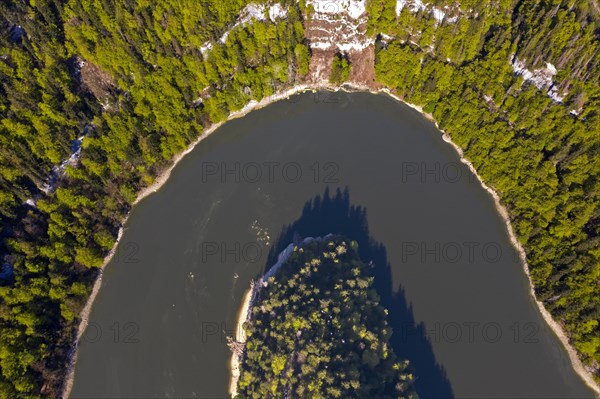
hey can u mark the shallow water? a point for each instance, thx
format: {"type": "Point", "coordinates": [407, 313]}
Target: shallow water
{"type": "Point", "coordinates": [444, 266]}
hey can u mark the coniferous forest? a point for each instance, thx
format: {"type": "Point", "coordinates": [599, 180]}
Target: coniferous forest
{"type": "Point", "coordinates": [317, 330]}
{"type": "Point", "coordinates": [98, 96]}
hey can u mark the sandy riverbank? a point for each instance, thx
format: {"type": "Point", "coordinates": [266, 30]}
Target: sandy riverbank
{"type": "Point", "coordinates": [240, 336]}
{"type": "Point", "coordinates": [161, 180]}
{"type": "Point", "coordinates": [248, 302]}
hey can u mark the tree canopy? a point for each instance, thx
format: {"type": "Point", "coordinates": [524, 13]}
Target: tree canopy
{"type": "Point", "coordinates": [317, 330]}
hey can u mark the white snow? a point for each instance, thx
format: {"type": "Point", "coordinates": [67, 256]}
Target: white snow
{"type": "Point", "coordinates": [343, 47]}
{"type": "Point", "coordinates": [206, 47]}
{"type": "Point", "coordinates": [348, 18]}
{"type": "Point", "coordinates": [357, 46]}
{"type": "Point", "coordinates": [223, 38]}
{"type": "Point", "coordinates": [258, 11]}
{"type": "Point", "coordinates": [414, 6]}
{"type": "Point", "coordinates": [551, 68]}
{"type": "Point", "coordinates": [438, 14]}
{"type": "Point", "coordinates": [399, 6]}
{"type": "Point", "coordinates": [354, 8]}
{"type": "Point", "coordinates": [251, 12]}
{"type": "Point", "coordinates": [418, 5]}
{"type": "Point", "coordinates": [59, 170]}
{"type": "Point", "coordinates": [321, 45]}
{"type": "Point", "coordinates": [554, 95]}
{"type": "Point", "coordinates": [276, 11]}
{"type": "Point", "coordinates": [385, 39]}
{"type": "Point", "coordinates": [542, 78]}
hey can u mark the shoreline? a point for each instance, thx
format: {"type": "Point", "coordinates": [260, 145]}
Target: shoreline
{"type": "Point", "coordinates": [240, 336]}
{"type": "Point", "coordinates": [84, 318]}
{"type": "Point", "coordinates": [248, 302]}
{"type": "Point", "coordinates": [161, 179]}
{"type": "Point", "coordinates": [555, 327]}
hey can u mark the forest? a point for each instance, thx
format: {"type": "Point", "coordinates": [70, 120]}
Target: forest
{"type": "Point", "coordinates": [133, 78]}
{"type": "Point", "coordinates": [539, 152]}
{"type": "Point", "coordinates": [317, 330]}
{"type": "Point", "coordinates": [97, 96]}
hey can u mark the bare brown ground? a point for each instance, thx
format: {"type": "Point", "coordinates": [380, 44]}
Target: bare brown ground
{"type": "Point", "coordinates": [97, 81]}
{"type": "Point", "coordinates": [362, 72]}
{"type": "Point", "coordinates": [336, 31]}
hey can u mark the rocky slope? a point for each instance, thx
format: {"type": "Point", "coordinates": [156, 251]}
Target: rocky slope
{"type": "Point", "coordinates": [340, 28]}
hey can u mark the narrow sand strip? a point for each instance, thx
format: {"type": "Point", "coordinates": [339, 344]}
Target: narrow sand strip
{"type": "Point", "coordinates": [248, 302]}
{"type": "Point", "coordinates": [240, 336]}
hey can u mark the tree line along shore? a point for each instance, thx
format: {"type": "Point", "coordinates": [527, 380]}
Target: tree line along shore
{"type": "Point", "coordinates": [133, 83]}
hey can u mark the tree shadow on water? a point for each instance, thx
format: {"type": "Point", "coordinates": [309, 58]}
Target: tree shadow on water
{"type": "Point", "coordinates": [334, 214]}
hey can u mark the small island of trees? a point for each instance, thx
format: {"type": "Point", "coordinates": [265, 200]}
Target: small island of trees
{"type": "Point", "coordinates": [318, 330]}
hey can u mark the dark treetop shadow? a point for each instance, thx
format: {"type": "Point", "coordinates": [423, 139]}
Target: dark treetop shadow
{"type": "Point", "coordinates": [335, 214]}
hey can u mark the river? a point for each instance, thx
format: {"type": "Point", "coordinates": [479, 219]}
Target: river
{"type": "Point", "coordinates": [358, 164]}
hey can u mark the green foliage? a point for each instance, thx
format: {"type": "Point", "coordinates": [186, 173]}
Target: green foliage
{"type": "Point", "coordinates": [340, 70]}
{"type": "Point", "coordinates": [541, 158]}
{"type": "Point", "coordinates": [317, 330]}
{"type": "Point", "coordinates": [132, 78]}
{"type": "Point", "coordinates": [302, 59]}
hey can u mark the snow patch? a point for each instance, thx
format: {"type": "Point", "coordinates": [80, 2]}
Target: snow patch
{"type": "Point", "coordinates": [259, 11]}
{"type": "Point", "coordinates": [554, 95]}
{"type": "Point", "coordinates": [339, 25]}
{"type": "Point", "coordinates": [251, 12]}
{"type": "Point", "coordinates": [542, 78]}
{"type": "Point", "coordinates": [356, 46]}
{"type": "Point", "coordinates": [343, 47]}
{"type": "Point", "coordinates": [223, 38]}
{"type": "Point", "coordinates": [415, 6]}
{"type": "Point", "coordinates": [276, 11]}
{"type": "Point", "coordinates": [399, 6]}
{"type": "Point", "coordinates": [205, 48]}
{"type": "Point", "coordinates": [354, 8]}
{"type": "Point", "coordinates": [438, 14]}
{"type": "Point", "coordinates": [59, 170]}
